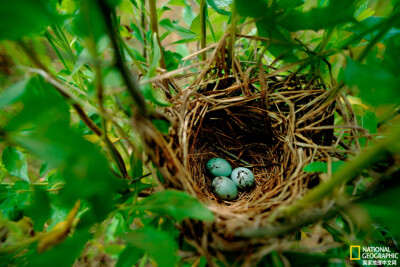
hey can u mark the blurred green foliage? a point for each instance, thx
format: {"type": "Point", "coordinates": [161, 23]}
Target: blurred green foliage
{"type": "Point", "coordinates": [65, 118]}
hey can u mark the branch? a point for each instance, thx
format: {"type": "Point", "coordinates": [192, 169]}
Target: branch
{"type": "Point", "coordinates": [127, 76]}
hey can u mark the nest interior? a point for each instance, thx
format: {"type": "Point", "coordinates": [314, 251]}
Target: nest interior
{"type": "Point", "coordinates": [269, 120]}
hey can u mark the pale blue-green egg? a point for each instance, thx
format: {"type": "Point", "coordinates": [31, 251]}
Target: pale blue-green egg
{"type": "Point", "coordinates": [224, 188]}
{"type": "Point", "coordinates": [219, 167]}
{"type": "Point", "coordinates": [242, 177]}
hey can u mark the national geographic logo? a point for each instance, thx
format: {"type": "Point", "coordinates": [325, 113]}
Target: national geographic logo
{"type": "Point", "coordinates": [355, 253]}
{"type": "Point", "coordinates": [374, 255]}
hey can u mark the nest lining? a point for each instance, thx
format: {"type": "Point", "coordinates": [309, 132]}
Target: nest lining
{"type": "Point", "coordinates": [258, 118]}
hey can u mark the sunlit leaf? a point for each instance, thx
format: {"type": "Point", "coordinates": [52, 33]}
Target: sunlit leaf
{"type": "Point", "coordinates": [217, 4]}
{"type": "Point", "coordinates": [365, 14]}
{"type": "Point", "coordinates": [175, 27]}
{"type": "Point", "coordinates": [15, 163]}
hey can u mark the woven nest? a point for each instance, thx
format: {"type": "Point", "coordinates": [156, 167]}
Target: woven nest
{"type": "Point", "coordinates": [257, 118]}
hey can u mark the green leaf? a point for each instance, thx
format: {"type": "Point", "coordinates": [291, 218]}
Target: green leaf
{"type": "Point", "coordinates": [136, 166]}
{"type": "Point", "coordinates": [257, 8]}
{"type": "Point", "coordinates": [137, 33]}
{"type": "Point", "coordinates": [129, 256]}
{"type": "Point", "coordinates": [391, 60]}
{"type": "Point", "coordinates": [43, 169]}
{"type": "Point", "coordinates": [150, 94]}
{"type": "Point", "coordinates": [90, 22]}
{"type": "Point", "coordinates": [311, 259]}
{"type": "Point", "coordinates": [177, 204]}
{"type": "Point", "coordinates": [159, 245]}
{"type": "Point", "coordinates": [175, 27]}
{"type": "Point", "coordinates": [13, 200]}
{"type": "Point", "coordinates": [15, 163]}
{"type": "Point", "coordinates": [42, 105]}
{"type": "Point", "coordinates": [113, 3]}
{"type": "Point", "coordinates": [337, 12]}
{"type": "Point", "coordinates": [162, 125]}
{"type": "Point", "coordinates": [289, 4]}
{"type": "Point", "coordinates": [318, 166]}
{"type": "Point", "coordinates": [369, 121]}
{"type": "Point", "coordinates": [147, 89]}
{"type": "Point", "coordinates": [375, 85]}
{"type": "Point", "coordinates": [81, 164]}
{"type": "Point", "coordinates": [188, 14]}
{"type": "Point", "coordinates": [383, 208]}
{"type": "Point", "coordinates": [13, 93]}
{"type": "Point", "coordinates": [39, 208]}
{"type": "Point", "coordinates": [21, 18]}
{"type": "Point", "coordinates": [217, 4]}
{"type": "Point", "coordinates": [62, 255]}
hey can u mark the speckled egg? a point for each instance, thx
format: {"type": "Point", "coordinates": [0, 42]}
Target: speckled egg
{"type": "Point", "coordinates": [242, 177]}
{"type": "Point", "coordinates": [224, 188]}
{"type": "Point", "coordinates": [219, 167]}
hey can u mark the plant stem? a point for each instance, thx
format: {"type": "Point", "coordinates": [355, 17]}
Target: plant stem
{"type": "Point", "coordinates": [232, 36]}
{"type": "Point", "coordinates": [127, 76]}
{"type": "Point", "coordinates": [127, 49]}
{"type": "Point", "coordinates": [154, 29]}
{"type": "Point", "coordinates": [50, 40]}
{"type": "Point", "coordinates": [375, 40]}
{"type": "Point", "coordinates": [143, 29]}
{"type": "Point", "coordinates": [203, 42]}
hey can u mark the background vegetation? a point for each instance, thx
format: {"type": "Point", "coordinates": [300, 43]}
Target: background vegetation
{"type": "Point", "coordinates": [76, 187]}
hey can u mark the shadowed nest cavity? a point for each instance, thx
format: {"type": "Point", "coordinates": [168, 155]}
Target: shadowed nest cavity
{"type": "Point", "coordinates": [271, 121]}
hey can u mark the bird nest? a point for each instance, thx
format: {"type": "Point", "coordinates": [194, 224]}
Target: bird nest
{"type": "Point", "coordinates": [269, 120]}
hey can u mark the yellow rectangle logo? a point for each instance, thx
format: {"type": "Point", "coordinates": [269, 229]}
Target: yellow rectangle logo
{"type": "Point", "coordinates": [355, 252]}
